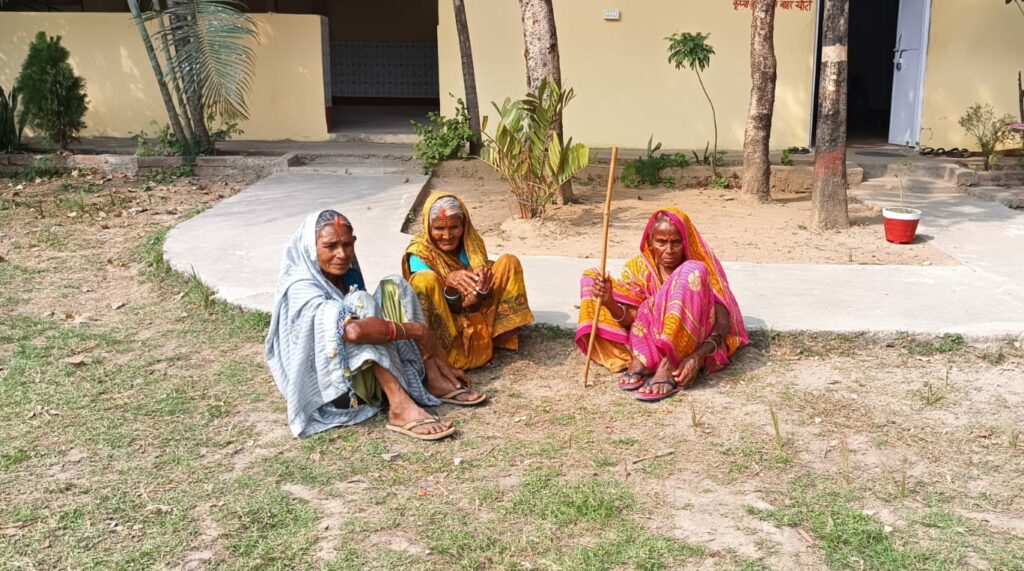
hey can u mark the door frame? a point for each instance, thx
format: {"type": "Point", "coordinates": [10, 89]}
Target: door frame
{"type": "Point", "coordinates": [926, 27]}
{"type": "Point", "coordinates": [926, 37]}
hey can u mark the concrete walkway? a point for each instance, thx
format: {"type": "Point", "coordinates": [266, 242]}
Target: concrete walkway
{"type": "Point", "coordinates": [235, 247]}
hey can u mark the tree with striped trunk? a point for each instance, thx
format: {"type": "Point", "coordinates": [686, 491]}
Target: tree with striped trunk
{"type": "Point", "coordinates": [829, 208]}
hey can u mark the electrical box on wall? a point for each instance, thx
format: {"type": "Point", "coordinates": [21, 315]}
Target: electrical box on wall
{"type": "Point", "coordinates": [611, 15]}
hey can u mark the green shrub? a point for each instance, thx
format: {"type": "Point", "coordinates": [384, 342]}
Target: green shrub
{"type": "Point", "coordinates": [54, 97]}
{"type": "Point", "coordinates": [787, 158]}
{"type": "Point", "coordinates": [980, 121]}
{"type": "Point", "coordinates": [12, 124]}
{"type": "Point", "coordinates": [43, 168]}
{"type": "Point", "coordinates": [647, 170]}
{"type": "Point", "coordinates": [710, 159]}
{"type": "Point", "coordinates": [442, 138]}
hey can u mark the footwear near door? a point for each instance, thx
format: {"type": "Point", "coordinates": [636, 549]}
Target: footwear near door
{"type": "Point", "coordinates": [908, 72]}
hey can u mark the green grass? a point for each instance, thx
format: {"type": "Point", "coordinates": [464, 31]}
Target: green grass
{"type": "Point", "coordinates": [849, 538]}
{"type": "Point", "coordinates": [14, 281]}
{"type": "Point", "coordinates": [925, 347]}
{"type": "Point", "coordinates": [544, 496]}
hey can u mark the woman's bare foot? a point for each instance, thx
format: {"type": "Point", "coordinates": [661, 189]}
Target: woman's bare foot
{"type": "Point", "coordinates": [402, 410]}
{"type": "Point", "coordinates": [443, 379]}
{"type": "Point", "coordinates": [663, 378]}
{"type": "Point", "coordinates": [410, 412]}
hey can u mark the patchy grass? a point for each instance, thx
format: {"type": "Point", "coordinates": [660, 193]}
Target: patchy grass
{"type": "Point", "coordinates": [152, 436]}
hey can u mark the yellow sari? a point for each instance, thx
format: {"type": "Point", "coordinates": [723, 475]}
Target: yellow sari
{"type": "Point", "coordinates": [469, 337]}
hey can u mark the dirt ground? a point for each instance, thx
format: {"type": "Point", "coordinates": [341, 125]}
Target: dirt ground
{"type": "Point", "coordinates": [141, 429]}
{"type": "Point", "coordinates": [737, 230]}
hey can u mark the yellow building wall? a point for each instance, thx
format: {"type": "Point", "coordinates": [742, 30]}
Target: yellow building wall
{"type": "Point", "coordinates": [626, 90]}
{"type": "Point", "coordinates": [975, 50]}
{"type": "Point", "coordinates": [287, 100]}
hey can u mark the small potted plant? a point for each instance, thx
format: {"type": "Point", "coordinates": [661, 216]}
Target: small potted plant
{"type": "Point", "coordinates": [901, 222]}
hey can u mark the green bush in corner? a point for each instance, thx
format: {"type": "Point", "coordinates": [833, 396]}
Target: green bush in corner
{"type": "Point", "coordinates": [53, 96]}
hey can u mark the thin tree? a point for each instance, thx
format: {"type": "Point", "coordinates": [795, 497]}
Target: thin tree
{"type": "Point", "coordinates": [540, 39]}
{"type": "Point", "coordinates": [208, 63]}
{"type": "Point", "coordinates": [468, 74]}
{"type": "Point", "coordinates": [757, 170]}
{"type": "Point", "coordinates": [158, 70]}
{"type": "Point", "coordinates": [829, 197]}
{"type": "Point", "coordinates": [693, 51]}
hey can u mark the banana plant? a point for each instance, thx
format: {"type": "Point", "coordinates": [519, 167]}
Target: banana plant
{"type": "Point", "coordinates": [527, 150]}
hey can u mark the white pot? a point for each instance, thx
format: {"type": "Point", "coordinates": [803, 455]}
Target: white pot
{"type": "Point", "coordinates": [901, 213]}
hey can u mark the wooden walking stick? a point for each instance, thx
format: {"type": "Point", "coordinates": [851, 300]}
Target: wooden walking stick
{"type": "Point", "coordinates": [604, 260]}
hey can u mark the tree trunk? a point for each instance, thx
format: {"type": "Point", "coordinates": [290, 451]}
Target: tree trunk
{"type": "Point", "coordinates": [193, 97]}
{"type": "Point", "coordinates": [468, 75]}
{"type": "Point", "coordinates": [829, 198]}
{"type": "Point", "coordinates": [175, 79]}
{"type": "Point", "coordinates": [1020, 101]}
{"type": "Point", "coordinates": [172, 112]}
{"type": "Point", "coordinates": [757, 169]}
{"type": "Point", "coordinates": [540, 41]}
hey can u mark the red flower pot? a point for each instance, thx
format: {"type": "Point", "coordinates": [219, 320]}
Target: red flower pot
{"type": "Point", "coordinates": [900, 224]}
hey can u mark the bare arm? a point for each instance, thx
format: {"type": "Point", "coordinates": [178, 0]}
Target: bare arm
{"type": "Point", "coordinates": [376, 331]}
{"type": "Point", "coordinates": [691, 365]}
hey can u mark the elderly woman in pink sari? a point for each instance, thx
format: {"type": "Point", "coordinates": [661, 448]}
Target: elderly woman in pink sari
{"type": "Point", "coordinates": [670, 315]}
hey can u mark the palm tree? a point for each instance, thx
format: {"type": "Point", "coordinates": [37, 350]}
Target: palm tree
{"type": "Point", "coordinates": [208, 63]}
{"type": "Point", "coordinates": [693, 51]}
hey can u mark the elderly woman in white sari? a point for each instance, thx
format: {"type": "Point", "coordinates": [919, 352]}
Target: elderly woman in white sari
{"type": "Point", "coordinates": [340, 355]}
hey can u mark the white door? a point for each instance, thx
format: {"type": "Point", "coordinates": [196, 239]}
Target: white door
{"type": "Point", "coordinates": [908, 72]}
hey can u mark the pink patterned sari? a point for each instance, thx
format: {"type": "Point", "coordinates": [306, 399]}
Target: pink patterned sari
{"type": "Point", "coordinates": [673, 317]}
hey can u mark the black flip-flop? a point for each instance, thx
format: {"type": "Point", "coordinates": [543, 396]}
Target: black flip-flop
{"type": "Point", "coordinates": [655, 398]}
{"type": "Point", "coordinates": [955, 154]}
{"type": "Point", "coordinates": [634, 385]}
{"type": "Point", "coordinates": [926, 151]}
{"type": "Point", "coordinates": [941, 151]}
{"type": "Point", "coordinates": [803, 151]}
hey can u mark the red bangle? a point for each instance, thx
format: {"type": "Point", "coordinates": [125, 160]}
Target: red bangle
{"type": "Point", "coordinates": [391, 330]}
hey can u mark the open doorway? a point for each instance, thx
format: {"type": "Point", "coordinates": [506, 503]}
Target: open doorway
{"type": "Point", "coordinates": [869, 97]}
{"type": "Point", "coordinates": [380, 62]}
{"type": "Point", "coordinates": [886, 51]}
{"type": "Point", "coordinates": [384, 70]}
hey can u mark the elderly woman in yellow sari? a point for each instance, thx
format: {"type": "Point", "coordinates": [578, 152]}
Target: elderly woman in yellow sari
{"type": "Point", "coordinates": [472, 304]}
{"type": "Point", "coordinates": [670, 315]}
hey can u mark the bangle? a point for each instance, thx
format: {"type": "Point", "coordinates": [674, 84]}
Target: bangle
{"type": "Point", "coordinates": [618, 319]}
{"type": "Point", "coordinates": [712, 341]}
{"type": "Point", "coordinates": [391, 330]}
{"type": "Point", "coordinates": [404, 334]}
{"type": "Point", "coordinates": [450, 297]}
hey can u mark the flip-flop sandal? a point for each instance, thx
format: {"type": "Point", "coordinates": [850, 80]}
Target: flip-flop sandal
{"type": "Point", "coordinates": [655, 398]}
{"type": "Point", "coordinates": [941, 152]}
{"type": "Point", "coordinates": [406, 429]}
{"type": "Point", "coordinates": [450, 398]}
{"type": "Point", "coordinates": [926, 151]}
{"type": "Point", "coordinates": [634, 385]}
{"type": "Point", "coordinates": [965, 152]}
{"type": "Point", "coordinates": [954, 153]}
{"type": "Point", "coordinates": [803, 151]}
{"type": "Point", "coordinates": [793, 150]}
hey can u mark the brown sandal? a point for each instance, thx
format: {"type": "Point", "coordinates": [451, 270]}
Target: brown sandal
{"type": "Point", "coordinates": [450, 398]}
{"type": "Point", "coordinates": [406, 429]}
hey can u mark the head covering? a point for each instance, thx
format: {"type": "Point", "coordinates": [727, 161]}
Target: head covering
{"type": "Point", "coordinates": [303, 349]}
{"type": "Point", "coordinates": [423, 246]}
{"type": "Point", "coordinates": [641, 278]}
